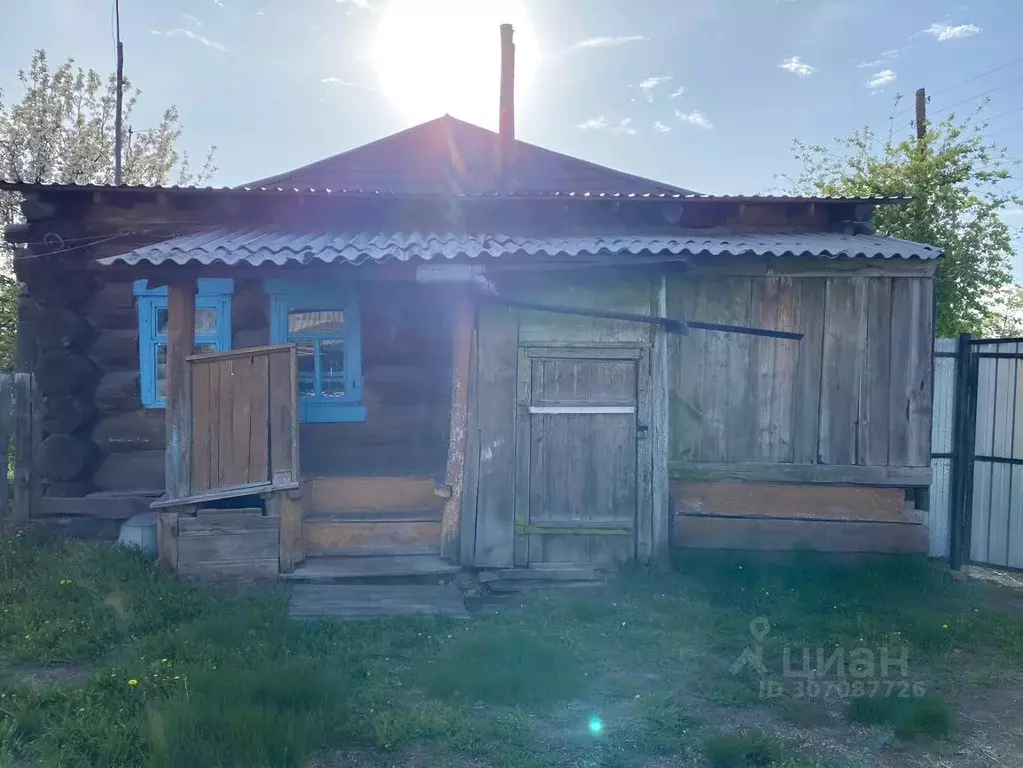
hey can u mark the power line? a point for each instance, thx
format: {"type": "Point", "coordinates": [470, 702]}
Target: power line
{"type": "Point", "coordinates": [1006, 127]}
{"type": "Point", "coordinates": [977, 96]}
{"type": "Point", "coordinates": [977, 77]}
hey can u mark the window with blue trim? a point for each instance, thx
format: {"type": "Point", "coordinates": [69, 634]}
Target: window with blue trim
{"type": "Point", "coordinates": [323, 322]}
{"type": "Point", "coordinates": [212, 331]}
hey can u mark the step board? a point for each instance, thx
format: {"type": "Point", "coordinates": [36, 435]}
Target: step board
{"type": "Point", "coordinates": [328, 494]}
{"type": "Point", "coordinates": [333, 568]}
{"type": "Point", "coordinates": [360, 601]}
{"type": "Point", "coordinates": [391, 532]}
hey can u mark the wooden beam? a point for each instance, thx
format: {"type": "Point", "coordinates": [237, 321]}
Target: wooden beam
{"type": "Point", "coordinates": [286, 506]}
{"type": "Point", "coordinates": [823, 474]}
{"type": "Point", "coordinates": [167, 539]}
{"type": "Point", "coordinates": [660, 529]}
{"type": "Point", "coordinates": [763, 266]}
{"type": "Point", "coordinates": [451, 522]}
{"type": "Point", "coordinates": [180, 345]}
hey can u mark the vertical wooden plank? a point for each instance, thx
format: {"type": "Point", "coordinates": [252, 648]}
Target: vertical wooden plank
{"type": "Point", "coordinates": [523, 459]}
{"type": "Point", "coordinates": [284, 466]}
{"type": "Point", "coordinates": [259, 443]}
{"type": "Point", "coordinates": [224, 370]}
{"type": "Point", "coordinates": [496, 403]}
{"type": "Point", "coordinates": [806, 406]}
{"type": "Point", "coordinates": [22, 447]}
{"type": "Point", "coordinates": [35, 479]}
{"type": "Point", "coordinates": [467, 537]}
{"type": "Point", "coordinates": [201, 418]}
{"type": "Point", "coordinates": [450, 527]}
{"type": "Point", "coordinates": [842, 368]}
{"type": "Point", "coordinates": [286, 506]}
{"type": "Point", "coordinates": [6, 398]}
{"type": "Point", "coordinates": [786, 361]}
{"type": "Point", "coordinates": [728, 412]}
{"type": "Point", "coordinates": [214, 428]}
{"type": "Point", "coordinates": [241, 416]}
{"type": "Point", "coordinates": [872, 440]}
{"type": "Point", "coordinates": [659, 495]}
{"type": "Point", "coordinates": [167, 539]}
{"type": "Point", "coordinates": [764, 300]}
{"type": "Point", "coordinates": [686, 371]}
{"type": "Point", "coordinates": [910, 386]}
{"type": "Point", "coordinates": [180, 344]}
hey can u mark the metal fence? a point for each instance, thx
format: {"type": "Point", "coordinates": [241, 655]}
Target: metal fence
{"type": "Point", "coordinates": [20, 434]}
{"type": "Point", "coordinates": [976, 510]}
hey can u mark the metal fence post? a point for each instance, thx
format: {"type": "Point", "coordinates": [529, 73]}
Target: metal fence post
{"type": "Point", "coordinates": [964, 427]}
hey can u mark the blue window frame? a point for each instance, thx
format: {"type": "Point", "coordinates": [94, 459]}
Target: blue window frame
{"type": "Point", "coordinates": [212, 331]}
{"type": "Point", "coordinates": [323, 322]}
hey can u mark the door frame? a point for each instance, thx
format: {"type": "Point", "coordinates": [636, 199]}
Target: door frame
{"type": "Point", "coordinates": [643, 529]}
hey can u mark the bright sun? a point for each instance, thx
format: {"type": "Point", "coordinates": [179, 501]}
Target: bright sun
{"type": "Point", "coordinates": [444, 56]}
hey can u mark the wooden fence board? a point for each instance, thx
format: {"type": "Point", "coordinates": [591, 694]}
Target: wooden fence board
{"type": "Point", "coordinates": [872, 435]}
{"type": "Point", "coordinates": [259, 427]}
{"type": "Point", "coordinates": [201, 417]}
{"type": "Point", "coordinates": [842, 370]}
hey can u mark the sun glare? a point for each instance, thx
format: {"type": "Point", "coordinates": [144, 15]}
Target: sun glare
{"type": "Point", "coordinates": [444, 56]}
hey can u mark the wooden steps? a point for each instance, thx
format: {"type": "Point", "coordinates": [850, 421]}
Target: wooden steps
{"type": "Point", "coordinates": [358, 601]}
{"type": "Point", "coordinates": [381, 532]}
{"type": "Point", "coordinates": [327, 569]}
{"type": "Point", "coordinates": [330, 494]}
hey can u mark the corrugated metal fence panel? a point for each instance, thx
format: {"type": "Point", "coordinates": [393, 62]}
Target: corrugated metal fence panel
{"type": "Point", "coordinates": [937, 516]}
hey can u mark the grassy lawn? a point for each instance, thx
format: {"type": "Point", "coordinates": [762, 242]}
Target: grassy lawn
{"type": "Point", "coordinates": [107, 662]}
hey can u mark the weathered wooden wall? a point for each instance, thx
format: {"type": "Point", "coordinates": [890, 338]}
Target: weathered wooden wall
{"type": "Point", "coordinates": [406, 385]}
{"type": "Point", "coordinates": [855, 392]}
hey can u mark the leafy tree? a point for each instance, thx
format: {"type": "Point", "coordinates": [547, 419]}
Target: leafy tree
{"type": "Point", "coordinates": [954, 179]}
{"type": "Point", "coordinates": [62, 131]}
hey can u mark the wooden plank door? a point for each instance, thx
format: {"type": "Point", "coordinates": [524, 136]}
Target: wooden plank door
{"type": "Point", "coordinates": [580, 445]}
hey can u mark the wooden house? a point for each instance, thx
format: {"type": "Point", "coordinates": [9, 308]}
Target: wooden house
{"type": "Point", "coordinates": [449, 348]}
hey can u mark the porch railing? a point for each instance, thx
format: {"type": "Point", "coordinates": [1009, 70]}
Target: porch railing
{"type": "Point", "coordinates": [244, 424]}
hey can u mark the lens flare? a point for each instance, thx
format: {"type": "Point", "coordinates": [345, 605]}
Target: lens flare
{"type": "Point", "coordinates": [596, 726]}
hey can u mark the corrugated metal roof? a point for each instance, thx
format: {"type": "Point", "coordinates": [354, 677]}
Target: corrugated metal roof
{"type": "Point", "coordinates": [262, 246]}
{"type": "Point", "coordinates": [19, 186]}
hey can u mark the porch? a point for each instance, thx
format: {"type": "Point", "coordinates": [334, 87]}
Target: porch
{"type": "Point", "coordinates": [323, 457]}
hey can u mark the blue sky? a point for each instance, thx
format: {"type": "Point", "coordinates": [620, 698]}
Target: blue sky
{"type": "Point", "coordinates": [707, 94]}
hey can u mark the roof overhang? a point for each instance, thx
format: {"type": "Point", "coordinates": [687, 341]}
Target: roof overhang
{"type": "Point", "coordinates": [256, 247]}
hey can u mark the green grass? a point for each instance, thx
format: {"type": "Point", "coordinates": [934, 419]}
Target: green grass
{"type": "Point", "coordinates": [927, 717]}
{"type": "Point", "coordinates": [182, 675]}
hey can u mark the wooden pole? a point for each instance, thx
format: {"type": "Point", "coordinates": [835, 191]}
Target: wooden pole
{"type": "Point", "coordinates": [506, 117]}
{"type": "Point", "coordinates": [921, 114]}
{"type": "Point", "coordinates": [118, 104]}
{"type": "Point", "coordinates": [451, 521]}
{"type": "Point", "coordinates": [180, 343]}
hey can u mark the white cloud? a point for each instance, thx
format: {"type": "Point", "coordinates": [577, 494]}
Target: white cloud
{"type": "Point", "coordinates": [608, 42]}
{"type": "Point", "coordinates": [942, 32]}
{"type": "Point", "coordinates": [191, 36]}
{"type": "Point", "coordinates": [696, 118]}
{"type": "Point", "coordinates": [191, 19]}
{"type": "Point", "coordinates": [659, 126]}
{"type": "Point", "coordinates": [346, 83]}
{"type": "Point", "coordinates": [867, 64]}
{"type": "Point", "coordinates": [677, 93]}
{"type": "Point", "coordinates": [648, 85]}
{"type": "Point", "coordinates": [797, 67]}
{"type": "Point", "coordinates": [219, 2]}
{"type": "Point", "coordinates": [361, 4]}
{"type": "Point", "coordinates": [601, 124]}
{"type": "Point", "coordinates": [880, 79]}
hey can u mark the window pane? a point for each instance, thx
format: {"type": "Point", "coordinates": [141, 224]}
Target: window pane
{"type": "Point", "coordinates": [332, 367]}
{"type": "Point", "coordinates": [161, 372]}
{"type": "Point", "coordinates": [308, 321]}
{"type": "Point", "coordinates": [306, 368]}
{"type": "Point", "coordinates": [205, 320]}
{"type": "Point", "coordinates": [204, 349]}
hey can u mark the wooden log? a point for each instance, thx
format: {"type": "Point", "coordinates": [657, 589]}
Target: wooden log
{"type": "Point", "coordinates": [69, 489]}
{"type": "Point", "coordinates": [112, 308]}
{"type": "Point", "coordinates": [180, 343]}
{"type": "Point", "coordinates": [116, 350]}
{"type": "Point", "coordinates": [64, 457]}
{"type": "Point", "coordinates": [118, 392]}
{"type": "Point", "coordinates": [142, 430]}
{"type": "Point", "coordinates": [66, 414]}
{"type": "Point", "coordinates": [141, 470]}
{"type": "Point", "coordinates": [60, 328]}
{"type": "Point", "coordinates": [451, 522]}
{"type": "Point", "coordinates": [57, 288]}
{"type": "Point", "coordinates": [60, 372]}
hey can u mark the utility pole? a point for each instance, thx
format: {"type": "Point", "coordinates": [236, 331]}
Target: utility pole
{"type": "Point", "coordinates": [921, 113]}
{"type": "Point", "coordinates": [118, 177]}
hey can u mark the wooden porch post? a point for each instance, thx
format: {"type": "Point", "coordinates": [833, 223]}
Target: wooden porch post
{"type": "Point", "coordinates": [465, 319]}
{"type": "Point", "coordinates": [180, 344]}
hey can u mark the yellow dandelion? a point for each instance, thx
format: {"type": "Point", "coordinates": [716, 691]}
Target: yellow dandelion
{"type": "Point", "coordinates": [133, 682]}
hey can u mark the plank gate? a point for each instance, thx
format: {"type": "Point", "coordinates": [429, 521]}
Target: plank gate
{"type": "Point", "coordinates": [244, 419]}
{"type": "Point", "coordinates": [580, 448]}
{"type": "Point", "coordinates": [21, 433]}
